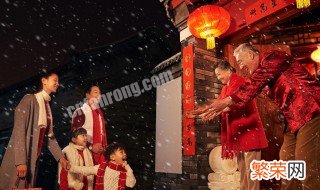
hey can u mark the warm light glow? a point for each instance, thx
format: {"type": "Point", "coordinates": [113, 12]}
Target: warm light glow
{"type": "Point", "coordinates": [303, 4]}
{"type": "Point", "coordinates": [315, 55]}
{"type": "Point", "coordinates": [208, 22]}
{"type": "Point", "coordinates": [211, 43]}
{"type": "Point", "coordinates": [210, 33]}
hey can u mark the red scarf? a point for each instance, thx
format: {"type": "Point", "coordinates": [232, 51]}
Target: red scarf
{"type": "Point", "coordinates": [114, 166]}
{"type": "Point", "coordinates": [44, 130]}
{"type": "Point", "coordinates": [230, 146]}
{"type": "Point", "coordinates": [98, 158]}
{"type": "Point", "coordinates": [64, 184]}
{"type": "Point", "coordinates": [64, 180]}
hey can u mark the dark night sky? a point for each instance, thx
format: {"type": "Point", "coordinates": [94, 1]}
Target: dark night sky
{"type": "Point", "coordinates": [40, 34]}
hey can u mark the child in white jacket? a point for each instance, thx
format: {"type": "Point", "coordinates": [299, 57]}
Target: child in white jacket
{"type": "Point", "coordinates": [77, 154]}
{"type": "Point", "coordinates": [114, 174]}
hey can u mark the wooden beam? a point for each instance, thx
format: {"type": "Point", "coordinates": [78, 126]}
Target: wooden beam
{"type": "Point", "coordinates": [175, 3]}
{"type": "Point", "coordinates": [277, 18]}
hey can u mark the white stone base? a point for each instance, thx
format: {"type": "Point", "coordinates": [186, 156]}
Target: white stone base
{"type": "Point", "coordinates": [221, 181]}
{"type": "Point", "coordinates": [225, 176]}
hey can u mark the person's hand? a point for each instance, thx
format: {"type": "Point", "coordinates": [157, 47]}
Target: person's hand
{"type": "Point", "coordinates": [192, 114]}
{"type": "Point", "coordinates": [22, 170]}
{"type": "Point", "coordinates": [199, 111]}
{"type": "Point", "coordinates": [220, 105]}
{"type": "Point", "coordinates": [209, 115]}
{"type": "Point", "coordinates": [215, 109]}
{"type": "Point", "coordinates": [97, 148]}
{"type": "Point", "coordinates": [65, 164]}
{"type": "Point", "coordinates": [124, 163]}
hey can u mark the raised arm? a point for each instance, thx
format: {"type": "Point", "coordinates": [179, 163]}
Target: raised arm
{"type": "Point", "coordinates": [53, 145]}
{"type": "Point", "coordinates": [21, 117]}
{"type": "Point", "coordinates": [272, 66]}
{"type": "Point", "coordinates": [130, 180]}
{"type": "Point", "coordinates": [84, 170]}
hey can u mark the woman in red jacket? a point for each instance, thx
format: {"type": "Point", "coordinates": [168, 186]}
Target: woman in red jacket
{"type": "Point", "coordinates": [242, 132]}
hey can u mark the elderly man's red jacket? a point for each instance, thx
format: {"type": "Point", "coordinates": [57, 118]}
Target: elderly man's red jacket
{"type": "Point", "coordinates": [292, 88]}
{"type": "Point", "coordinates": [241, 129]}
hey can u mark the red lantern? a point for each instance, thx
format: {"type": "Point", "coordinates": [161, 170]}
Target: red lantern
{"type": "Point", "coordinates": [208, 22]}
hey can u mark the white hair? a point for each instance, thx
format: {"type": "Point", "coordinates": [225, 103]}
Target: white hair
{"type": "Point", "coordinates": [244, 47]}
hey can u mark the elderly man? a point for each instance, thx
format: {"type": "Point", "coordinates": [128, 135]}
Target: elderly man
{"type": "Point", "coordinates": [295, 92]}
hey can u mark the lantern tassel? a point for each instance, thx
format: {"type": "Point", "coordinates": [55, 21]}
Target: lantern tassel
{"type": "Point", "coordinates": [303, 4]}
{"type": "Point", "coordinates": [211, 43]}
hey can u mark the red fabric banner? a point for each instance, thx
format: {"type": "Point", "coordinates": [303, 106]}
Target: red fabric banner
{"type": "Point", "coordinates": [263, 8]}
{"type": "Point", "coordinates": [189, 140]}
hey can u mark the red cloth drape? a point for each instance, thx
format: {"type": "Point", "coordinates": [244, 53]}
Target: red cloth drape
{"type": "Point", "coordinates": [43, 131]}
{"type": "Point", "coordinates": [241, 129]}
{"type": "Point", "coordinates": [64, 185]}
{"type": "Point", "coordinates": [99, 134]}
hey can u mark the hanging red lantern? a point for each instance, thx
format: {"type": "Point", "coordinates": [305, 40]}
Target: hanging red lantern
{"type": "Point", "coordinates": [208, 22]}
{"type": "Point", "coordinates": [315, 55]}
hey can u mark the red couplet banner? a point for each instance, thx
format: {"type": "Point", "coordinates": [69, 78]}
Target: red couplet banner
{"type": "Point", "coordinates": [189, 141]}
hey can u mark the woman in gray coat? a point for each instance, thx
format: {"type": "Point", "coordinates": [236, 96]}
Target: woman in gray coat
{"type": "Point", "coordinates": [32, 130]}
